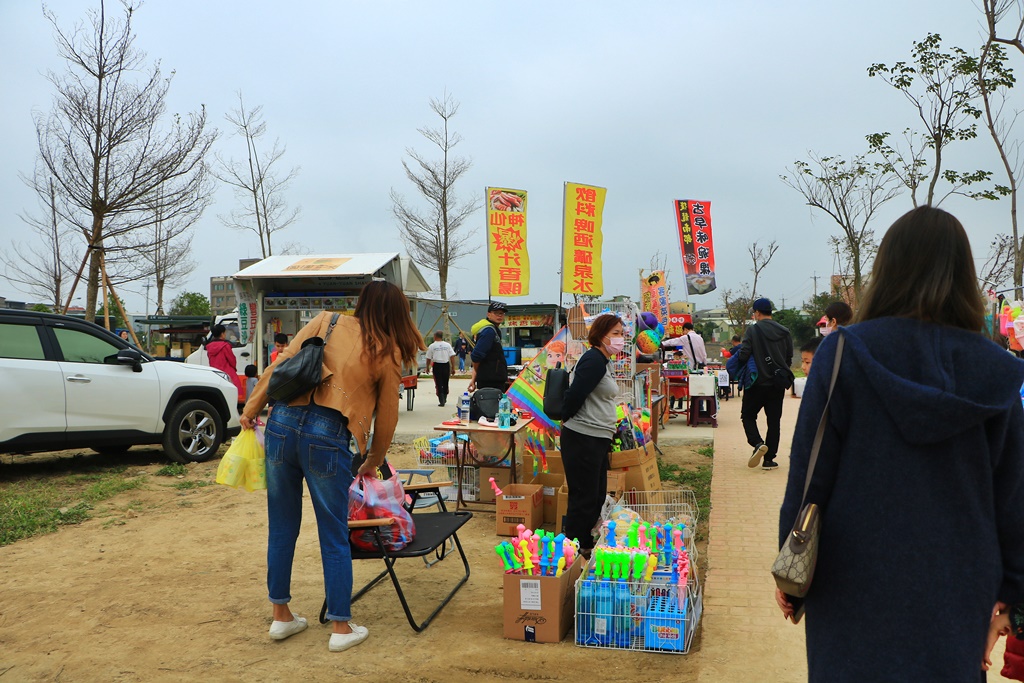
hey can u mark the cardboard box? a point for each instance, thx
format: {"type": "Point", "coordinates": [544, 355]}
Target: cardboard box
{"type": "Point", "coordinates": [521, 504]}
{"type": "Point", "coordinates": [640, 468]}
{"type": "Point", "coordinates": [502, 477]}
{"type": "Point", "coordinates": [555, 462]}
{"type": "Point", "coordinates": [551, 483]}
{"type": "Point", "coordinates": [653, 374]}
{"type": "Point", "coordinates": [540, 608]}
{"type": "Point", "coordinates": [561, 505]}
{"type": "Point", "coordinates": [617, 482]}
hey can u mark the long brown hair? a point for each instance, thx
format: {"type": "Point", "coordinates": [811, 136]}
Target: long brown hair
{"type": "Point", "coordinates": [924, 270]}
{"type": "Point", "coordinates": [383, 313]}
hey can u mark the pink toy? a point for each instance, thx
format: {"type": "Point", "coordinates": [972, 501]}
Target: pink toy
{"type": "Point", "coordinates": [497, 491]}
{"type": "Point", "coordinates": [520, 529]}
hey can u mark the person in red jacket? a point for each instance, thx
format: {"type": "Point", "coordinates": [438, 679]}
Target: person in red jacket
{"type": "Point", "coordinates": [1008, 621]}
{"type": "Point", "coordinates": [222, 355]}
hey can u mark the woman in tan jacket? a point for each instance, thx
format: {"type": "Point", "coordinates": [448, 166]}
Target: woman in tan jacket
{"type": "Point", "coordinates": [309, 439]}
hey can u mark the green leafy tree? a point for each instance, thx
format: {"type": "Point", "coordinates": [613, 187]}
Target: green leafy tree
{"type": "Point", "coordinates": [800, 326]}
{"type": "Point", "coordinates": [41, 308]}
{"type": "Point", "coordinates": [116, 320]}
{"type": "Point", "coordinates": [816, 306]}
{"type": "Point", "coordinates": [942, 87]}
{"type": "Point", "coordinates": [190, 303]}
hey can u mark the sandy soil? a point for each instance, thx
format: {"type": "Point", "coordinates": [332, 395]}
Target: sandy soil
{"type": "Point", "coordinates": [169, 585]}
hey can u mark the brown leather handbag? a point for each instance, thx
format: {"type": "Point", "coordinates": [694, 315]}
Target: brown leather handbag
{"type": "Point", "coordinates": [794, 567]}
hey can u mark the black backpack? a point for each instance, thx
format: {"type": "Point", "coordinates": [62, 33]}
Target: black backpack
{"type": "Point", "coordinates": [555, 387]}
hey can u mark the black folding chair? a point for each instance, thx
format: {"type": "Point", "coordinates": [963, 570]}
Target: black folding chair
{"type": "Point", "coordinates": [433, 530]}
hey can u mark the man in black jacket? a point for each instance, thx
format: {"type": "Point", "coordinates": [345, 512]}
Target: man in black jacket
{"type": "Point", "coordinates": [772, 347]}
{"type": "Point", "coordinates": [489, 367]}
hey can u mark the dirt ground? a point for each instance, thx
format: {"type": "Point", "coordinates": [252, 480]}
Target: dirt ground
{"type": "Point", "coordinates": [169, 585]}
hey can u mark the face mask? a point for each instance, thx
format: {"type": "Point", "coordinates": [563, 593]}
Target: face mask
{"type": "Point", "coordinates": [827, 330]}
{"type": "Point", "coordinates": [616, 344]}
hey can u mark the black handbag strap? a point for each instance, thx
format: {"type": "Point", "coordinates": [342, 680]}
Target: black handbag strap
{"type": "Point", "coordinates": [820, 434]}
{"type": "Point", "coordinates": [693, 354]}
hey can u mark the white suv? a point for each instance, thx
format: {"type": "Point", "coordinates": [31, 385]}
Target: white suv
{"type": "Point", "coordinates": [66, 383]}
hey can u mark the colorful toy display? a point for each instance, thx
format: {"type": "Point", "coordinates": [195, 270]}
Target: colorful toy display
{"type": "Point", "coordinates": [537, 553]}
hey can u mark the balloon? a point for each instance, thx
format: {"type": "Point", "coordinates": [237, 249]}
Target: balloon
{"type": "Point", "coordinates": [648, 342]}
{"type": "Point", "coordinates": [650, 321]}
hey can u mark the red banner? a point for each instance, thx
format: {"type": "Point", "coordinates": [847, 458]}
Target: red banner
{"type": "Point", "coordinates": [693, 220]}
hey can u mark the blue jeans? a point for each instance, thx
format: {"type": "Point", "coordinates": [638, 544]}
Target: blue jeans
{"type": "Point", "coordinates": [311, 443]}
{"type": "Point", "coordinates": [462, 363]}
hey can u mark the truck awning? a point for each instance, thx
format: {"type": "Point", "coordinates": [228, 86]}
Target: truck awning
{"type": "Point", "coordinates": [332, 272]}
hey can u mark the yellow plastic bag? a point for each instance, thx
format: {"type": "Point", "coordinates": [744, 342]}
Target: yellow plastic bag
{"type": "Point", "coordinates": [244, 465]}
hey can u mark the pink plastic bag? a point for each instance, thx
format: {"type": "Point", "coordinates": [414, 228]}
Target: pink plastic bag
{"type": "Point", "coordinates": [372, 498]}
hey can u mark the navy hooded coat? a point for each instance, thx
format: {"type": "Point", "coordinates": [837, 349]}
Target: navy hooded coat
{"type": "Point", "coordinates": [921, 477]}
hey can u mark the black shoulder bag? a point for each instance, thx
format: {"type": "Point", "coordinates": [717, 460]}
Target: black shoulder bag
{"type": "Point", "coordinates": [484, 403]}
{"type": "Point", "coordinates": [302, 372]}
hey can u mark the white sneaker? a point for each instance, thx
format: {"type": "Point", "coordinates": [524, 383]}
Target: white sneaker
{"type": "Point", "coordinates": [280, 630]}
{"type": "Point", "coordinates": [343, 641]}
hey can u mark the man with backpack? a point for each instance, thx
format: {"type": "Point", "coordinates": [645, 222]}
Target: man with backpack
{"type": "Point", "coordinates": [771, 346]}
{"type": "Point", "coordinates": [489, 366]}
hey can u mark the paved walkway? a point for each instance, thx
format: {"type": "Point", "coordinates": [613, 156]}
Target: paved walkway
{"type": "Point", "coordinates": [745, 636]}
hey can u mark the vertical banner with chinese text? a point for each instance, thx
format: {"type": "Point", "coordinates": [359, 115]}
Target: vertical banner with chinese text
{"type": "Point", "coordinates": [654, 295]}
{"type": "Point", "coordinates": [507, 259]}
{"type": "Point", "coordinates": [693, 220]}
{"type": "Point", "coordinates": [581, 240]}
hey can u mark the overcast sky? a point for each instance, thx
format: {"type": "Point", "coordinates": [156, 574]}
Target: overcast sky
{"type": "Point", "coordinates": [654, 101]}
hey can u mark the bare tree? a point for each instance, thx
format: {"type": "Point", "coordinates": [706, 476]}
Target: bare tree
{"type": "Point", "coordinates": [942, 87]}
{"type": "Point", "coordinates": [995, 79]}
{"type": "Point", "coordinates": [760, 256]}
{"type": "Point", "coordinates": [257, 185]}
{"type": "Point", "coordinates": [434, 235]}
{"type": "Point", "coordinates": [169, 255]}
{"type": "Point", "coordinates": [42, 266]}
{"type": "Point", "coordinates": [850, 192]}
{"type": "Point", "coordinates": [104, 147]}
{"type": "Point", "coordinates": [998, 265]}
{"type": "Point", "coordinates": [737, 307]}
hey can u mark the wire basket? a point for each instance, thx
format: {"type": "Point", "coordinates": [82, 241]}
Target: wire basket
{"type": "Point", "coordinates": [677, 507]}
{"type": "Point", "coordinates": [470, 483]}
{"type": "Point", "coordinates": [641, 616]}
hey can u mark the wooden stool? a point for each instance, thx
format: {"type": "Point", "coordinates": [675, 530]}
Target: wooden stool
{"type": "Point", "coordinates": [703, 409]}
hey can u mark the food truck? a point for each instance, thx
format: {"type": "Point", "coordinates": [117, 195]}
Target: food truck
{"type": "Point", "coordinates": [283, 293]}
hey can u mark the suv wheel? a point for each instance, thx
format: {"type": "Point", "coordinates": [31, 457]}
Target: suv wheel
{"type": "Point", "coordinates": [194, 432]}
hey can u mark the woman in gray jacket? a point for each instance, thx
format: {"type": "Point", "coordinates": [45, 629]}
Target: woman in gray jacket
{"type": "Point", "coordinates": [587, 428]}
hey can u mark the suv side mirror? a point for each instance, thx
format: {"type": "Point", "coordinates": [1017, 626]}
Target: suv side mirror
{"type": "Point", "coordinates": [130, 357]}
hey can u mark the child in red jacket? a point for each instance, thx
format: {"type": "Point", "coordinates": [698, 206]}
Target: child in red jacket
{"type": "Point", "coordinates": [1009, 622]}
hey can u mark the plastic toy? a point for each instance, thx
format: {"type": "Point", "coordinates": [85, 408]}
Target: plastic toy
{"type": "Point", "coordinates": [497, 492]}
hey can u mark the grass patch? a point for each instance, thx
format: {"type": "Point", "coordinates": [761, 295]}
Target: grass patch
{"type": "Point", "coordinates": [173, 470]}
{"type": "Point", "coordinates": [707, 451]}
{"type": "Point", "coordinates": [37, 506]}
{"type": "Point", "coordinates": [697, 480]}
{"type": "Point", "coordinates": [186, 485]}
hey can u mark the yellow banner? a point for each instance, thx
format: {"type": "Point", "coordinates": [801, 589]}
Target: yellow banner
{"type": "Point", "coordinates": [507, 259]}
{"type": "Point", "coordinates": [581, 235]}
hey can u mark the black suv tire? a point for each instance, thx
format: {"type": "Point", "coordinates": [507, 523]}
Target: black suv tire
{"type": "Point", "coordinates": [194, 432]}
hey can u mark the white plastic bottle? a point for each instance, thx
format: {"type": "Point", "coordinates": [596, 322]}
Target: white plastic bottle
{"type": "Point", "coordinates": [464, 408]}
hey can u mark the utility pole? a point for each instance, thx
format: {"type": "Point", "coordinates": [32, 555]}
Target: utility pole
{"type": "Point", "coordinates": [149, 329]}
{"type": "Point", "coordinates": [783, 303]}
{"type": "Point", "coordinates": [815, 278]}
